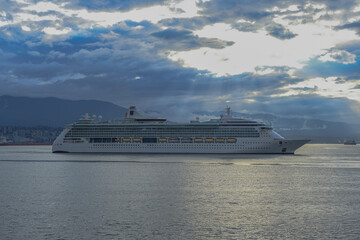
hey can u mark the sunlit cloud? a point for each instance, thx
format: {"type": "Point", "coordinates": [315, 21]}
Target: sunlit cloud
{"type": "Point", "coordinates": [340, 56]}
{"type": "Point", "coordinates": [25, 17]}
{"type": "Point", "coordinates": [252, 50]}
{"type": "Point", "coordinates": [55, 31]}
{"type": "Point", "coordinates": [26, 28]}
{"type": "Point", "coordinates": [333, 87]}
{"type": "Point", "coordinates": [181, 9]}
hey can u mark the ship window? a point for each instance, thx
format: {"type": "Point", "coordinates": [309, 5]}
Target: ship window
{"type": "Point", "coordinates": [149, 140]}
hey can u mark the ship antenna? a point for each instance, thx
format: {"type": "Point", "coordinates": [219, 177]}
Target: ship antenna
{"type": "Point", "coordinates": [228, 110]}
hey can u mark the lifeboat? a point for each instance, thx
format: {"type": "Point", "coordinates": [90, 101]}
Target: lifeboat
{"type": "Point", "coordinates": [231, 140]}
{"type": "Point", "coordinates": [198, 140]}
{"type": "Point", "coordinates": [186, 140]}
{"type": "Point", "coordinates": [173, 140]}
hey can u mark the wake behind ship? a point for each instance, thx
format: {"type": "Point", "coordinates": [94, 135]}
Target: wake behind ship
{"type": "Point", "coordinates": [138, 134]}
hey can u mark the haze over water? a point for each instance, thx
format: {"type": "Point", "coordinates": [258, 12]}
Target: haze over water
{"type": "Point", "coordinates": [311, 195]}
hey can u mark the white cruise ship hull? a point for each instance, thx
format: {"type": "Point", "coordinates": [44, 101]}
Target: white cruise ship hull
{"type": "Point", "coordinates": [242, 146]}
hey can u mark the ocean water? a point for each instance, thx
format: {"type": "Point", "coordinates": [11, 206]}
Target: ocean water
{"type": "Point", "coordinates": [314, 194]}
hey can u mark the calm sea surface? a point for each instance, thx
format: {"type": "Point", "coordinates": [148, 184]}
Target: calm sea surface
{"type": "Point", "coordinates": [314, 194]}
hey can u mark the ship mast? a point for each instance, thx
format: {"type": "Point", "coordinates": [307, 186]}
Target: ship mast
{"type": "Point", "coordinates": [228, 111]}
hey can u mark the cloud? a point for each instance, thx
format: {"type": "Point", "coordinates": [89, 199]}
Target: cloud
{"type": "Point", "coordinates": [170, 34]}
{"type": "Point", "coordinates": [326, 87]}
{"type": "Point", "coordinates": [316, 68]}
{"type": "Point", "coordinates": [353, 26]}
{"type": "Point", "coordinates": [340, 56]}
{"type": "Point", "coordinates": [278, 31]}
{"type": "Point", "coordinates": [256, 49]}
{"type": "Point", "coordinates": [186, 40]}
{"type": "Point", "coordinates": [70, 76]}
{"type": "Point", "coordinates": [113, 4]}
{"type": "Point", "coordinates": [193, 23]}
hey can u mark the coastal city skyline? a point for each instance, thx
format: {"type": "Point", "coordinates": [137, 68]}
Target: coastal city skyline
{"type": "Point", "coordinates": [290, 58]}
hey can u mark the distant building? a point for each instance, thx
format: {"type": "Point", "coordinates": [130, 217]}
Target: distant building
{"type": "Point", "coordinates": [3, 139]}
{"type": "Point", "coordinates": [28, 134]}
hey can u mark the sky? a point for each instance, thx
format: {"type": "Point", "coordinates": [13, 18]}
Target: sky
{"type": "Point", "coordinates": [284, 57]}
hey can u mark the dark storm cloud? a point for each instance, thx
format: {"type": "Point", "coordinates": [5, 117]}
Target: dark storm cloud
{"type": "Point", "coordinates": [232, 9]}
{"type": "Point", "coordinates": [170, 34]}
{"type": "Point", "coordinates": [335, 4]}
{"type": "Point", "coordinates": [259, 9]}
{"type": "Point", "coordinates": [185, 40]}
{"type": "Point", "coordinates": [193, 23]}
{"type": "Point", "coordinates": [109, 4]}
{"type": "Point", "coordinates": [279, 31]}
{"type": "Point", "coordinates": [353, 26]}
{"type": "Point", "coordinates": [115, 4]}
{"type": "Point", "coordinates": [260, 14]}
{"type": "Point", "coordinates": [317, 68]}
{"type": "Point", "coordinates": [245, 27]}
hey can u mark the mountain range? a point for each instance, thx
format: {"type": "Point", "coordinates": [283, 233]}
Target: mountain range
{"type": "Point", "coordinates": [54, 112]}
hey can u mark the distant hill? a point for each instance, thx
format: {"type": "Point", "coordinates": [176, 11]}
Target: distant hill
{"type": "Point", "coordinates": [52, 112]}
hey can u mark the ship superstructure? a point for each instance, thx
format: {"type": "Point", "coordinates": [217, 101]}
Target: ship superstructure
{"type": "Point", "coordinates": [139, 134]}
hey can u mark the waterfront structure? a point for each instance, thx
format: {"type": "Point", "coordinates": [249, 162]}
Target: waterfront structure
{"type": "Point", "coordinates": [350, 142]}
{"type": "Point", "coordinates": [138, 134]}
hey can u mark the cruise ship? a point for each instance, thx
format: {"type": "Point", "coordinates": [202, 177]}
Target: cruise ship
{"type": "Point", "coordinates": [139, 134]}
